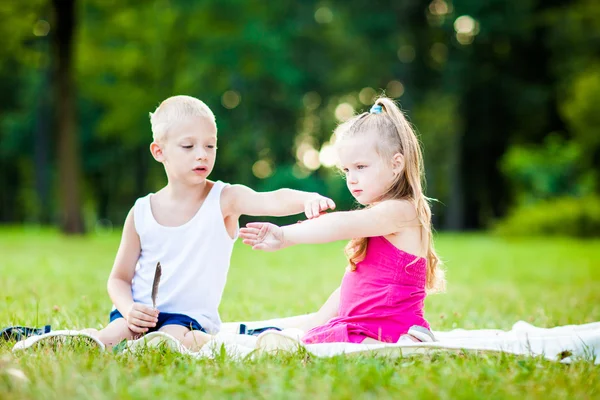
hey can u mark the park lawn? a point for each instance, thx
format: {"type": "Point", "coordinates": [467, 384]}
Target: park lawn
{"type": "Point", "coordinates": [46, 278]}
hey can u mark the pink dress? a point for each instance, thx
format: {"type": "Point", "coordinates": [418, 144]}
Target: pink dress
{"type": "Point", "coordinates": [382, 299]}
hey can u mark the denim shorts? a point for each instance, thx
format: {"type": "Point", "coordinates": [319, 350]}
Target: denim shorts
{"type": "Point", "coordinates": [165, 319]}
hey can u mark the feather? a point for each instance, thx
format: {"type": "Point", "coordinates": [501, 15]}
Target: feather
{"type": "Point", "coordinates": [157, 275]}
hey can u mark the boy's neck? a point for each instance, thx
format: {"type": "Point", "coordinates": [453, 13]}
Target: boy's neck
{"type": "Point", "coordinates": [185, 193]}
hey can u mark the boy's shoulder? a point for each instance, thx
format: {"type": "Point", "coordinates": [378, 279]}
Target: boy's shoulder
{"type": "Point", "coordinates": [231, 195]}
{"type": "Point", "coordinates": [142, 199]}
{"type": "Point", "coordinates": [230, 192]}
{"type": "Point", "coordinates": [235, 189]}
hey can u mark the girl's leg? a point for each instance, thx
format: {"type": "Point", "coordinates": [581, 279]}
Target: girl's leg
{"type": "Point", "coordinates": [406, 337]}
{"type": "Point", "coordinates": [372, 341]}
{"type": "Point", "coordinates": [306, 322]}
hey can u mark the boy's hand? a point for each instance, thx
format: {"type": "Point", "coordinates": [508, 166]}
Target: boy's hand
{"type": "Point", "coordinates": [263, 236]}
{"type": "Point", "coordinates": [317, 206]}
{"type": "Point", "coordinates": [140, 318]}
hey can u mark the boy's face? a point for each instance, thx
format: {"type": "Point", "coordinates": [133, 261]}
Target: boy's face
{"type": "Point", "coordinates": [188, 151]}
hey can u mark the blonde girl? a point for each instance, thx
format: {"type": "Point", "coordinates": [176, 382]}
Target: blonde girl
{"type": "Point", "coordinates": [392, 261]}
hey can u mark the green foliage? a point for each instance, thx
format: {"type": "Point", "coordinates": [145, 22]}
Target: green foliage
{"type": "Point", "coordinates": [554, 191]}
{"type": "Point", "coordinates": [440, 129]}
{"type": "Point", "coordinates": [580, 109]}
{"type": "Point", "coordinates": [566, 216]}
{"type": "Point", "coordinates": [548, 171]}
{"type": "Point", "coordinates": [527, 68]}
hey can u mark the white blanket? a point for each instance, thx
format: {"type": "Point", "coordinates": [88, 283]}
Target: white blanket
{"type": "Point", "coordinates": [562, 343]}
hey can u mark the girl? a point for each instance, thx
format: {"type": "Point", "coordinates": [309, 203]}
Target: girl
{"type": "Point", "coordinates": [392, 262]}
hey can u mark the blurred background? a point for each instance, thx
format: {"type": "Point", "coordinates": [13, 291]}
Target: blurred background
{"type": "Point", "coordinates": [505, 95]}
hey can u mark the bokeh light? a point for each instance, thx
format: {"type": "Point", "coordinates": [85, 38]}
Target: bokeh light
{"type": "Point", "coordinates": [41, 28]}
{"type": "Point", "coordinates": [406, 54]}
{"type": "Point", "coordinates": [344, 111]}
{"type": "Point", "coordinates": [262, 169]}
{"type": "Point", "coordinates": [311, 100]}
{"type": "Point", "coordinates": [310, 159]}
{"type": "Point", "coordinates": [464, 24]}
{"type": "Point", "coordinates": [302, 148]}
{"type": "Point", "coordinates": [394, 89]}
{"type": "Point", "coordinates": [328, 155]}
{"type": "Point", "coordinates": [367, 96]}
{"type": "Point", "coordinates": [231, 99]}
{"type": "Point", "coordinates": [466, 28]}
{"type": "Point", "coordinates": [439, 7]}
{"type": "Point", "coordinates": [439, 52]}
{"type": "Point", "coordinates": [323, 15]}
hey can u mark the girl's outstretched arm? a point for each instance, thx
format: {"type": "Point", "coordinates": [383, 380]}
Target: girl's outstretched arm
{"type": "Point", "coordinates": [382, 219]}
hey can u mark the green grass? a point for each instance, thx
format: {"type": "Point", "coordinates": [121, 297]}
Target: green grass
{"type": "Point", "coordinates": [492, 283]}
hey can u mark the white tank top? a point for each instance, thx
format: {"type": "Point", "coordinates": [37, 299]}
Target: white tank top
{"type": "Point", "coordinates": [194, 258]}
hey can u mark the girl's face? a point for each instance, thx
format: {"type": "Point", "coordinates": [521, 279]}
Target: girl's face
{"type": "Point", "coordinates": [189, 150]}
{"type": "Point", "coordinates": [368, 175]}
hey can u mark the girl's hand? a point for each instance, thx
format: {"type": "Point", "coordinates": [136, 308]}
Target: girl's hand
{"type": "Point", "coordinates": [140, 318]}
{"type": "Point", "coordinates": [317, 206]}
{"type": "Point", "coordinates": [263, 236]}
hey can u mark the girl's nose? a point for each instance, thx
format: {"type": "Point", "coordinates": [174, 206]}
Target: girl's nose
{"type": "Point", "coordinates": [351, 178]}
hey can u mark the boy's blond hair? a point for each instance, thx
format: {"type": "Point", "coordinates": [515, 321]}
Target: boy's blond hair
{"type": "Point", "coordinates": [175, 109]}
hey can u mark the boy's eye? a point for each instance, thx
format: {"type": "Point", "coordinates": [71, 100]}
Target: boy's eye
{"type": "Point", "coordinates": [187, 147]}
{"type": "Point", "coordinates": [210, 146]}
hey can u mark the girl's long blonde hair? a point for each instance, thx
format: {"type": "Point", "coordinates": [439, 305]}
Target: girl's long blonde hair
{"type": "Point", "coordinates": [396, 135]}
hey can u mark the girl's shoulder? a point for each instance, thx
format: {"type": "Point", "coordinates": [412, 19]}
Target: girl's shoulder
{"type": "Point", "coordinates": [402, 209]}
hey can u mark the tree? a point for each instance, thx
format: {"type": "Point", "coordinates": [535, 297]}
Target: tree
{"type": "Point", "coordinates": [69, 165]}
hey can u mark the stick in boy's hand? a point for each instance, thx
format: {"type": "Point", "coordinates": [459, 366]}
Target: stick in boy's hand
{"type": "Point", "coordinates": [157, 275]}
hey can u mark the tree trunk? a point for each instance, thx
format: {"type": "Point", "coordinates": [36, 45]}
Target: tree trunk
{"type": "Point", "coordinates": [69, 164]}
{"type": "Point", "coordinates": [41, 151]}
{"type": "Point", "coordinates": [456, 217]}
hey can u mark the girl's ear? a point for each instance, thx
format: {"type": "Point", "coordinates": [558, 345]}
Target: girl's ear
{"type": "Point", "coordinates": [398, 163]}
{"type": "Point", "coordinates": [157, 152]}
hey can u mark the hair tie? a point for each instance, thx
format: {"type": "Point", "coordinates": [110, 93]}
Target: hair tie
{"type": "Point", "coordinates": [376, 109]}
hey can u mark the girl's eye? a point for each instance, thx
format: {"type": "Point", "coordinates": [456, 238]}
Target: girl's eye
{"type": "Point", "coordinates": [345, 170]}
{"type": "Point", "coordinates": [361, 166]}
{"type": "Point", "coordinates": [187, 147]}
{"type": "Point", "coordinates": [210, 146]}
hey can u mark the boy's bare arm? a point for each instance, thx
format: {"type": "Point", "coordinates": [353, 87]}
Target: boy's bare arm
{"type": "Point", "coordinates": [240, 199]}
{"type": "Point", "coordinates": [138, 316]}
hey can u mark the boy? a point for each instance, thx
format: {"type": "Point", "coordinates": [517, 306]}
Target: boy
{"type": "Point", "coordinates": [189, 226]}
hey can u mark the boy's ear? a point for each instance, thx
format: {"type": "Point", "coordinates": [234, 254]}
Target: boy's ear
{"type": "Point", "coordinates": [157, 152]}
{"type": "Point", "coordinates": [398, 163]}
